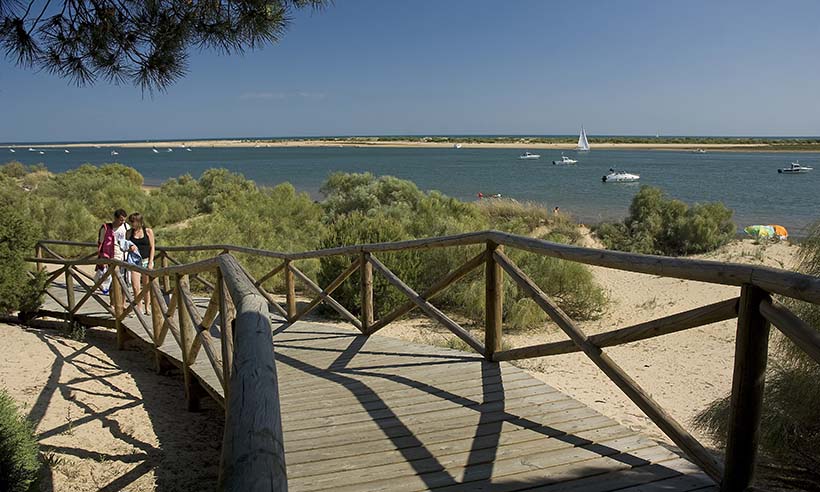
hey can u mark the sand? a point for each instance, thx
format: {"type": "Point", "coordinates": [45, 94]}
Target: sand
{"type": "Point", "coordinates": [105, 420]}
{"type": "Point", "coordinates": [110, 422]}
{"type": "Point", "coordinates": [364, 142]}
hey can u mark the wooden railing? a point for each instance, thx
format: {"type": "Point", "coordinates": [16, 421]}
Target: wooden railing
{"type": "Point", "coordinates": [754, 308]}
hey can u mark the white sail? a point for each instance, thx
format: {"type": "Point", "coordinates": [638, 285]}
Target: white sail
{"type": "Point", "coordinates": [583, 144]}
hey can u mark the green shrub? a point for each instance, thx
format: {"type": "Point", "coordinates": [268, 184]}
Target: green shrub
{"type": "Point", "coordinates": [659, 225]}
{"type": "Point", "coordinates": [18, 234]}
{"type": "Point", "coordinates": [19, 464]}
{"type": "Point", "coordinates": [14, 169]}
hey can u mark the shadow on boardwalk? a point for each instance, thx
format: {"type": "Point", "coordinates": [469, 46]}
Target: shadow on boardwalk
{"type": "Point", "coordinates": [108, 422]}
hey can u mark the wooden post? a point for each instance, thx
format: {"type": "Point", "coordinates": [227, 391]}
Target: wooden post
{"type": "Point", "coordinates": [366, 285]}
{"type": "Point", "coordinates": [157, 321]}
{"type": "Point", "coordinates": [69, 294]}
{"type": "Point", "coordinates": [290, 287]}
{"type": "Point", "coordinates": [38, 253]}
{"type": "Point", "coordinates": [186, 330]}
{"type": "Point", "coordinates": [226, 316]}
{"type": "Point", "coordinates": [117, 297]}
{"type": "Point", "coordinates": [493, 302]}
{"type": "Point", "coordinates": [166, 281]}
{"type": "Point", "coordinates": [748, 381]}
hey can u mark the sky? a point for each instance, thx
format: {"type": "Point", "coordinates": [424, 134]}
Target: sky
{"type": "Point", "coordinates": [531, 67]}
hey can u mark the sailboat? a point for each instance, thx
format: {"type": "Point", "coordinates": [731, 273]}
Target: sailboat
{"type": "Point", "coordinates": [583, 143]}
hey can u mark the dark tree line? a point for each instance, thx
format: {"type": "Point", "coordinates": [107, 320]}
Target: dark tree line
{"type": "Point", "coordinates": [143, 42]}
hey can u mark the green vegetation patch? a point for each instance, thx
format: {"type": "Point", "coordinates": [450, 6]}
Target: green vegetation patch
{"type": "Point", "coordinates": [19, 463]}
{"type": "Point", "coordinates": [660, 225]}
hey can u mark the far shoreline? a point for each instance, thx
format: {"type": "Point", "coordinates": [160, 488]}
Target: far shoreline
{"type": "Point", "coordinates": [362, 142]}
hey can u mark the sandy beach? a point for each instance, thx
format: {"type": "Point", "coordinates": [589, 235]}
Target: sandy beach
{"type": "Point", "coordinates": [364, 142]}
{"type": "Point", "coordinates": [105, 417]}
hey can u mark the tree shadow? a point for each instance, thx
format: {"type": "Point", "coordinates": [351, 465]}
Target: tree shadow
{"type": "Point", "coordinates": [186, 450]}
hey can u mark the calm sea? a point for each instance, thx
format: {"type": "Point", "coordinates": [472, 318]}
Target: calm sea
{"type": "Point", "coordinates": [748, 183]}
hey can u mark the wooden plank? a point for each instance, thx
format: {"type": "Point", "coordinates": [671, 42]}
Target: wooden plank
{"type": "Point", "coordinates": [801, 333]}
{"type": "Point", "coordinates": [326, 298]}
{"type": "Point", "coordinates": [290, 292]}
{"type": "Point", "coordinates": [428, 294]}
{"type": "Point", "coordinates": [428, 308]}
{"type": "Point", "coordinates": [613, 371]}
{"type": "Point", "coordinates": [713, 313]}
{"type": "Point", "coordinates": [324, 294]}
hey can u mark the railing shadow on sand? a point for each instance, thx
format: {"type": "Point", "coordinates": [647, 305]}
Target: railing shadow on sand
{"type": "Point", "coordinates": [234, 331]}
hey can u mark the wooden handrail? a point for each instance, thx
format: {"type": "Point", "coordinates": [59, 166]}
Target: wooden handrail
{"type": "Point", "coordinates": [253, 454]}
{"type": "Point", "coordinates": [238, 297]}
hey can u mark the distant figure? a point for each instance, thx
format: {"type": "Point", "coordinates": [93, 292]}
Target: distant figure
{"type": "Point", "coordinates": [556, 211]}
{"type": "Point", "coordinates": [480, 195]}
{"type": "Point", "coordinates": [143, 238]}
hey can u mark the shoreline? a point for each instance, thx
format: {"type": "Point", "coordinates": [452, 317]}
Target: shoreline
{"type": "Point", "coordinates": [360, 143]}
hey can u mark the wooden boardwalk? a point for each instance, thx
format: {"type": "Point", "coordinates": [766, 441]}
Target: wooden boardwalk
{"type": "Point", "coordinates": [378, 414]}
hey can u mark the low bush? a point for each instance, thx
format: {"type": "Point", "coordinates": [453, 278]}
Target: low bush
{"type": "Point", "coordinates": [659, 225]}
{"type": "Point", "coordinates": [18, 234]}
{"type": "Point", "coordinates": [19, 463]}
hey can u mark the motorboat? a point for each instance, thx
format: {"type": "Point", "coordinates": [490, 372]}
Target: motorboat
{"type": "Point", "coordinates": [583, 143]}
{"type": "Point", "coordinates": [114, 152]}
{"type": "Point", "coordinates": [457, 146]}
{"type": "Point", "coordinates": [795, 168]}
{"type": "Point", "coordinates": [565, 160]}
{"type": "Point", "coordinates": [188, 149]}
{"type": "Point", "coordinates": [170, 150]}
{"type": "Point", "coordinates": [154, 150]}
{"type": "Point", "coordinates": [66, 151]}
{"type": "Point", "coordinates": [699, 151]}
{"type": "Point", "coordinates": [527, 155]}
{"type": "Point", "coordinates": [41, 152]}
{"type": "Point", "coordinates": [620, 177]}
{"type": "Point", "coordinates": [30, 149]}
{"type": "Point", "coordinates": [12, 151]}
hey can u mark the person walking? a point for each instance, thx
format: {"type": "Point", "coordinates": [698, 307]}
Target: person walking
{"type": "Point", "coordinates": [109, 238]}
{"type": "Point", "coordinates": [143, 238]}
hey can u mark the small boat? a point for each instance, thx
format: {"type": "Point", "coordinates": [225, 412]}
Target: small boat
{"type": "Point", "coordinates": [188, 149]}
{"type": "Point", "coordinates": [620, 177]}
{"type": "Point", "coordinates": [114, 152]}
{"type": "Point", "coordinates": [30, 149]}
{"type": "Point", "coordinates": [527, 155]}
{"type": "Point", "coordinates": [41, 152]}
{"type": "Point", "coordinates": [457, 146]}
{"type": "Point", "coordinates": [583, 143]}
{"type": "Point", "coordinates": [154, 150]}
{"type": "Point", "coordinates": [565, 160]}
{"type": "Point", "coordinates": [170, 150]}
{"type": "Point", "coordinates": [66, 151]}
{"type": "Point", "coordinates": [699, 151]}
{"type": "Point", "coordinates": [795, 168]}
{"type": "Point", "coordinates": [96, 146]}
{"type": "Point", "coordinates": [12, 151]}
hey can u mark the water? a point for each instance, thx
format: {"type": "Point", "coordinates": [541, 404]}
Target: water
{"type": "Point", "coordinates": [746, 182]}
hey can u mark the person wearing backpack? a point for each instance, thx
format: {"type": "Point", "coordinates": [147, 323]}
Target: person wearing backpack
{"type": "Point", "coordinates": [109, 237]}
{"type": "Point", "coordinates": [143, 238]}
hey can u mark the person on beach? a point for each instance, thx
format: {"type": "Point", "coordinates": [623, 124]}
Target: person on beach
{"type": "Point", "coordinates": [109, 238]}
{"type": "Point", "coordinates": [143, 238]}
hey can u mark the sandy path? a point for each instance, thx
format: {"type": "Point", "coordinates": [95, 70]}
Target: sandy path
{"type": "Point", "coordinates": [105, 418]}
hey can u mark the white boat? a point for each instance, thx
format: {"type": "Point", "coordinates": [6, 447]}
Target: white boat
{"type": "Point", "coordinates": [188, 149]}
{"type": "Point", "coordinates": [565, 160]}
{"type": "Point", "coordinates": [527, 155]}
{"type": "Point", "coordinates": [699, 151]}
{"type": "Point", "coordinates": [457, 146]}
{"type": "Point", "coordinates": [154, 150]}
{"type": "Point", "coordinates": [66, 151]}
{"type": "Point", "coordinates": [41, 152]}
{"type": "Point", "coordinates": [620, 177]}
{"type": "Point", "coordinates": [170, 150]}
{"type": "Point", "coordinates": [114, 152]}
{"type": "Point", "coordinates": [583, 143]}
{"type": "Point", "coordinates": [30, 149]}
{"type": "Point", "coordinates": [795, 168]}
{"type": "Point", "coordinates": [12, 151]}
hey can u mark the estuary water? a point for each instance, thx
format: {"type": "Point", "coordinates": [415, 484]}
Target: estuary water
{"type": "Point", "coordinates": [746, 182]}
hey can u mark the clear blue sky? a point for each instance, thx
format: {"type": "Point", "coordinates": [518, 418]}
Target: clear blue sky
{"type": "Point", "coordinates": [365, 67]}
